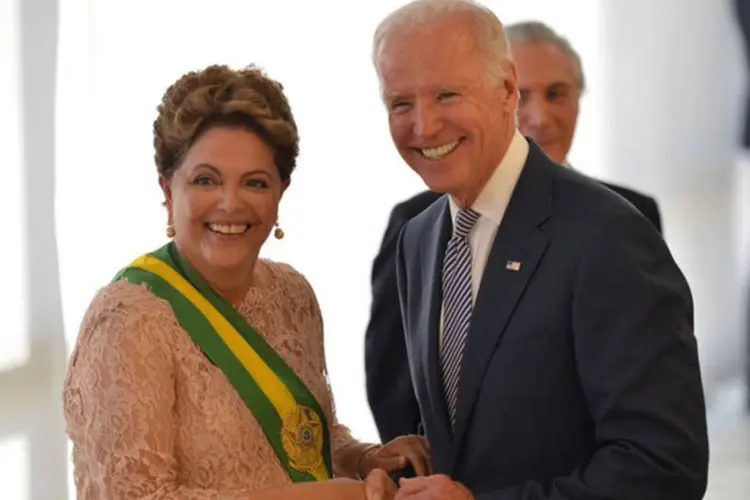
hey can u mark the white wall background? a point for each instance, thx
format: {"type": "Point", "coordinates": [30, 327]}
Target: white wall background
{"type": "Point", "coordinates": [106, 63]}
{"type": "Point", "coordinates": [675, 79]}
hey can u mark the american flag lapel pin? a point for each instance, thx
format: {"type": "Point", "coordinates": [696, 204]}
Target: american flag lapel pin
{"type": "Point", "coordinates": [513, 265]}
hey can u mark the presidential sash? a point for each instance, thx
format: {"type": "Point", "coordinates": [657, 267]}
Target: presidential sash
{"type": "Point", "coordinates": [289, 414]}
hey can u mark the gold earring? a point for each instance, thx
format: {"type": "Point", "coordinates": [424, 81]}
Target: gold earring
{"type": "Point", "coordinates": [170, 231]}
{"type": "Point", "coordinates": [278, 233]}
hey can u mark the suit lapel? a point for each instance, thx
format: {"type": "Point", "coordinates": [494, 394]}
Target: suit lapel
{"type": "Point", "coordinates": [515, 254]}
{"type": "Point", "coordinates": [431, 252]}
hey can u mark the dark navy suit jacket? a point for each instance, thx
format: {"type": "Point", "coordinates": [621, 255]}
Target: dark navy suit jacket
{"type": "Point", "coordinates": [580, 376]}
{"type": "Point", "coordinates": [389, 388]}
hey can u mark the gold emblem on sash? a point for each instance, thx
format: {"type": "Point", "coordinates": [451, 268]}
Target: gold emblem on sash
{"type": "Point", "coordinates": [302, 438]}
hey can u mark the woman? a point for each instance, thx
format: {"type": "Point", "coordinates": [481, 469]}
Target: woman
{"type": "Point", "coordinates": [199, 371]}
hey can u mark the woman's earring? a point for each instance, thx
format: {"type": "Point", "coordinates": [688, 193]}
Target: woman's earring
{"type": "Point", "coordinates": [278, 233]}
{"type": "Point", "coordinates": [170, 231]}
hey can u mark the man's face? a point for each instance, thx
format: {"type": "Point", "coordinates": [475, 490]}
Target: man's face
{"type": "Point", "coordinates": [447, 120]}
{"type": "Point", "coordinates": [548, 109]}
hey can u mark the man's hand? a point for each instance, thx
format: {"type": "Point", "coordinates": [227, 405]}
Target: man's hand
{"type": "Point", "coordinates": [378, 486]}
{"type": "Point", "coordinates": [437, 487]}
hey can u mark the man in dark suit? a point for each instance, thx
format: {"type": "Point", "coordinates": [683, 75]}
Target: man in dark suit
{"type": "Point", "coordinates": [548, 329]}
{"type": "Point", "coordinates": [551, 81]}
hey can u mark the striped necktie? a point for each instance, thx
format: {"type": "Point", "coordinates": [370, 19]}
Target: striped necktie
{"type": "Point", "coordinates": [457, 305]}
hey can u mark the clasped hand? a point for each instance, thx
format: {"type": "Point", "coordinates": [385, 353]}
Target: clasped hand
{"type": "Point", "coordinates": [378, 486]}
{"type": "Point", "coordinates": [396, 455]}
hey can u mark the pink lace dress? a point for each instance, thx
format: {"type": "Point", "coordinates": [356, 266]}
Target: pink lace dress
{"type": "Point", "coordinates": [151, 417]}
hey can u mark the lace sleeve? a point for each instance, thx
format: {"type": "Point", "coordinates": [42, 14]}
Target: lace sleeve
{"type": "Point", "coordinates": [118, 400]}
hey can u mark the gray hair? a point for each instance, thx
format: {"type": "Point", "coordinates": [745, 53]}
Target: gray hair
{"type": "Point", "coordinates": [536, 32]}
{"type": "Point", "coordinates": [488, 29]}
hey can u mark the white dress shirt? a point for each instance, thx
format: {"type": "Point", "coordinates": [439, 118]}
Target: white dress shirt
{"type": "Point", "coordinates": [491, 204]}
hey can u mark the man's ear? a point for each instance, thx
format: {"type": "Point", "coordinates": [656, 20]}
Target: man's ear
{"type": "Point", "coordinates": [510, 87]}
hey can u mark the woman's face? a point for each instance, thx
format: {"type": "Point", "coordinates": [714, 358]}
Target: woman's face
{"type": "Point", "coordinates": [223, 200]}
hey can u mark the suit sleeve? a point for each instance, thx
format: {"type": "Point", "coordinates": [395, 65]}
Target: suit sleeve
{"type": "Point", "coordinates": [637, 359]}
{"type": "Point", "coordinates": [389, 388]}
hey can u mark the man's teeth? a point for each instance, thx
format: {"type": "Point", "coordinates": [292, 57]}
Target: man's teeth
{"type": "Point", "coordinates": [228, 228]}
{"type": "Point", "coordinates": [439, 151]}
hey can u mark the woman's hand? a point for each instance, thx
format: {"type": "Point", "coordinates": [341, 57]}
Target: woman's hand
{"type": "Point", "coordinates": [396, 455]}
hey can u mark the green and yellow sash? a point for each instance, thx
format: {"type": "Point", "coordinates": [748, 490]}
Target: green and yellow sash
{"type": "Point", "coordinates": [290, 416]}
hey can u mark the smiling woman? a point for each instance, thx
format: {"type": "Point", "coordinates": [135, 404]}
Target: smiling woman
{"type": "Point", "coordinates": [226, 146]}
{"type": "Point", "coordinates": [222, 205]}
{"type": "Point", "coordinates": [199, 356]}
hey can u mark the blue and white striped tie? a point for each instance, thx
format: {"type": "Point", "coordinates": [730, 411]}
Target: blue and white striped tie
{"type": "Point", "coordinates": [457, 305]}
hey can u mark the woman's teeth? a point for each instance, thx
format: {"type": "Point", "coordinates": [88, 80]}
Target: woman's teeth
{"type": "Point", "coordinates": [228, 228]}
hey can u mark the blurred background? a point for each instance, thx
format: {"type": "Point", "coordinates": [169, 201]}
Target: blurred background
{"type": "Point", "coordinates": [80, 80]}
